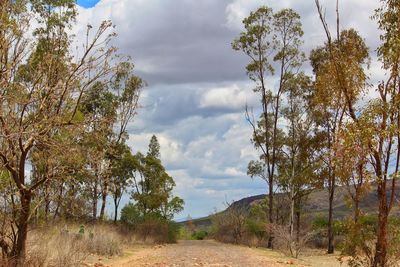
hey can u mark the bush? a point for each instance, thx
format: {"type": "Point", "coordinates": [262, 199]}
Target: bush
{"type": "Point", "coordinates": [150, 228]}
{"type": "Point", "coordinates": [185, 233]}
{"type": "Point", "coordinates": [256, 228]}
{"type": "Point", "coordinates": [173, 232]}
{"type": "Point", "coordinates": [319, 226]}
{"type": "Point", "coordinates": [360, 239]}
{"type": "Point", "coordinates": [199, 235]}
{"type": "Point", "coordinates": [229, 226]}
{"type": "Point", "coordinates": [290, 245]}
{"type": "Point", "coordinates": [102, 242]}
{"type": "Point", "coordinates": [130, 216]}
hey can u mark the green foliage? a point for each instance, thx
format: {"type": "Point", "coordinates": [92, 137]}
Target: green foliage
{"type": "Point", "coordinates": [153, 186]}
{"type": "Point", "coordinates": [199, 235]}
{"type": "Point", "coordinates": [154, 148]}
{"type": "Point", "coordinates": [240, 225]}
{"type": "Point", "coordinates": [256, 228]}
{"type": "Point", "coordinates": [81, 229]}
{"type": "Point", "coordinates": [359, 240]}
{"type": "Point", "coordinates": [185, 233]}
{"type": "Point", "coordinates": [173, 231]}
{"type": "Point", "coordinates": [151, 225]}
{"type": "Point", "coordinates": [320, 223]}
{"type": "Point", "coordinates": [131, 216]}
{"type": "Point", "coordinates": [257, 30]}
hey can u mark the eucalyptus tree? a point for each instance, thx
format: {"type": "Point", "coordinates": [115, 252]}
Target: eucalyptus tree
{"type": "Point", "coordinates": [272, 42]}
{"type": "Point", "coordinates": [98, 106]}
{"type": "Point", "coordinates": [41, 86]}
{"type": "Point", "coordinates": [62, 172]}
{"type": "Point", "coordinates": [298, 168]}
{"type": "Point", "coordinates": [122, 173]}
{"type": "Point", "coordinates": [152, 186]}
{"type": "Point", "coordinates": [378, 120]}
{"type": "Point", "coordinates": [124, 90]}
{"type": "Point", "coordinates": [337, 64]}
{"type": "Point", "coordinates": [383, 120]}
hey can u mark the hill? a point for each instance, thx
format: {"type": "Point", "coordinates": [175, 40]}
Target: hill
{"type": "Point", "coordinates": [317, 204]}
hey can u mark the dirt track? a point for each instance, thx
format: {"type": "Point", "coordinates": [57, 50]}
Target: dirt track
{"type": "Point", "coordinates": [197, 253]}
{"type": "Point", "coordinates": [209, 253]}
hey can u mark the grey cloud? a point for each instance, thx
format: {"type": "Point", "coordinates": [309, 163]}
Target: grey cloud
{"type": "Point", "coordinates": [182, 49]}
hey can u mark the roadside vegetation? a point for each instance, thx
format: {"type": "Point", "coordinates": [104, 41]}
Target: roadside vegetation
{"type": "Point", "coordinates": [318, 132]}
{"type": "Point", "coordinates": [64, 111]}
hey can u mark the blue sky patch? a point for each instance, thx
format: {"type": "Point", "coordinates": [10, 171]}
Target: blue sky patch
{"type": "Point", "coordinates": [87, 3]}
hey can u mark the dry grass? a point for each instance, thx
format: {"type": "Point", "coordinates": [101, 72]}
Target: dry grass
{"type": "Point", "coordinates": [70, 245]}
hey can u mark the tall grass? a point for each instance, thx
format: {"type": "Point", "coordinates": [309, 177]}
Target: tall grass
{"type": "Point", "coordinates": [70, 245]}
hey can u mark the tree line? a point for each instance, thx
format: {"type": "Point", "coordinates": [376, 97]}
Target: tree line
{"type": "Point", "coordinates": [324, 130]}
{"type": "Point", "coordinates": [65, 110]}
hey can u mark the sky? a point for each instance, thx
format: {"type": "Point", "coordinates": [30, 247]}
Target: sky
{"type": "Point", "coordinates": [197, 85]}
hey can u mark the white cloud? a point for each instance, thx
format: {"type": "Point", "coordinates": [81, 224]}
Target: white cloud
{"type": "Point", "coordinates": [228, 97]}
{"type": "Point", "coordinates": [198, 86]}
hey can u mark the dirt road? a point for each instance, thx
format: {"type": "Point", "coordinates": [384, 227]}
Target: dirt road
{"type": "Point", "coordinates": [208, 253]}
{"type": "Point", "coordinates": [196, 253]}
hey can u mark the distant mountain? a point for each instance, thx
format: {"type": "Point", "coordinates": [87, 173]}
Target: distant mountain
{"type": "Point", "coordinates": [317, 204]}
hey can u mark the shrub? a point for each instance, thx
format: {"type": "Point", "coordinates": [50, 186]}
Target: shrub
{"type": "Point", "coordinates": [229, 226]}
{"type": "Point", "coordinates": [200, 235]}
{"type": "Point", "coordinates": [173, 232]}
{"type": "Point", "coordinates": [103, 242]}
{"type": "Point", "coordinates": [130, 216]}
{"type": "Point", "coordinates": [185, 233]}
{"type": "Point", "coordinates": [150, 228]}
{"type": "Point", "coordinates": [360, 239]}
{"type": "Point", "coordinates": [290, 245]}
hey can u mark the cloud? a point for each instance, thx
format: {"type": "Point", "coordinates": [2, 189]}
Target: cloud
{"type": "Point", "coordinates": [198, 84]}
{"type": "Point", "coordinates": [230, 98]}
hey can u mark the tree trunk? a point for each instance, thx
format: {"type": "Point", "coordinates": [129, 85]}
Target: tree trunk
{"type": "Point", "coordinates": [356, 207]}
{"type": "Point", "coordinates": [116, 205]}
{"type": "Point", "coordinates": [298, 226]}
{"type": "Point", "coordinates": [46, 209]}
{"type": "Point", "coordinates": [291, 223]}
{"type": "Point", "coordinates": [94, 202]}
{"type": "Point", "coordinates": [59, 201]}
{"type": "Point", "coordinates": [115, 210]}
{"type": "Point", "coordinates": [330, 218]}
{"type": "Point", "coordinates": [381, 243]}
{"type": "Point", "coordinates": [103, 200]}
{"type": "Point", "coordinates": [103, 206]}
{"type": "Point", "coordinates": [270, 211]}
{"type": "Point", "coordinates": [19, 248]}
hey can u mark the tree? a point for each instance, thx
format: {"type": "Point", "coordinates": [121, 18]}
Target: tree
{"type": "Point", "coordinates": [338, 68]}
{"type": "Point", "coordinates": [41, 88]}
{"type": "Point", "coordinates": [98, 106]}
{"type": "Point", "coordinates": [122, 174]}
{"type": "Point", "coordinates": [378, 119]}
{"type": "Point", "coordinates": [300, 161]}
{"type": "Point", "coordinates": [352, 154]}
{"type": "Point", "coordinates": [60, 194]}
{"type": "Point", "coordinates": [384, 119]}
{"type": "Point", "coordinates": [114, 103]}
{"type": "Point", "coordinates": [269, 38]}
{"type": "Point", "coordinates": [153, 186]}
